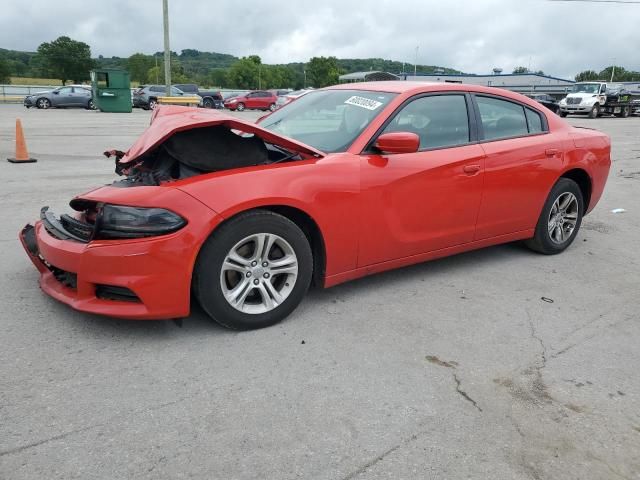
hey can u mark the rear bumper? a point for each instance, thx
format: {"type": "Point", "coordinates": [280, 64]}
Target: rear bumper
{"type": "Point", "coordinates": [148, 279]}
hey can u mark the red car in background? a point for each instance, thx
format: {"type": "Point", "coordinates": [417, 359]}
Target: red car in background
{"type": "Point", "coordinates": [257, 100]}
{"type": "Point", "coordinates": [344, 182]}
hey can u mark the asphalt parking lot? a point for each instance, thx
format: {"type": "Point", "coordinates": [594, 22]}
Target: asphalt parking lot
{"type": "Point", "coordinates": [456, 368]}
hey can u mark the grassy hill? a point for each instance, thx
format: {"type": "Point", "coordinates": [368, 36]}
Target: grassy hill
{"type": "Point", "coordinates": [197, 65]}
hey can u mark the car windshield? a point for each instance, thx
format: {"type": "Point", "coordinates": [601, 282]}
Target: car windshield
{"type": "Point", "coordinates": [586, 88]}
{"type": "Point", "coordinates": [329, 120]}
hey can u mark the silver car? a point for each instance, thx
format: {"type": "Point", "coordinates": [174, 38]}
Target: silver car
{"type": "Point", "coordinates": [69, 96]}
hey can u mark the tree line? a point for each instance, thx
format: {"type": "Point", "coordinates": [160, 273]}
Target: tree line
{"type": "Point", "coordinates": [70, 60]}
{"type": "Point", "coordinates": [67, 59]}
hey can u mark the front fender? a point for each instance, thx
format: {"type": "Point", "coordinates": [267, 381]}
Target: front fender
{"type": "Point", "coordinates": [327, 190]}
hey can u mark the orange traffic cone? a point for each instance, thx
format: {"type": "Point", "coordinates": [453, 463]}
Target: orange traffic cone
{"type": "Point", "coordinates": [22, 156]}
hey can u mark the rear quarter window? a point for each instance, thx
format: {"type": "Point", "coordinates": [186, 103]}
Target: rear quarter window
{"type": "Point", "coordinates": [534, 121]}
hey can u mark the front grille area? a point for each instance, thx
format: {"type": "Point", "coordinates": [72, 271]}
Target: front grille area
{"type": "Point", "coordinates": [573, 101]}
{"type": "Point", "coordinates": [68, 279]}
{"type": "Point", "coordinates": [112, 292]}
{"type": "Point", "coordinates": [76, 227]}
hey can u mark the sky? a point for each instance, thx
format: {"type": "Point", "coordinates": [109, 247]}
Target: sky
{"type": "Point", "coordinates": [474, 36]}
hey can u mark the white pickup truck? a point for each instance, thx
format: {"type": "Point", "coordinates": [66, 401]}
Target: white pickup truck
{"type": "Point", "coordinates": [596, 98]}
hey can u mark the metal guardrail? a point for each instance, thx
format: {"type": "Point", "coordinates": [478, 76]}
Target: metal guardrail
{"type": "Point", "coordinates": [16, 93]}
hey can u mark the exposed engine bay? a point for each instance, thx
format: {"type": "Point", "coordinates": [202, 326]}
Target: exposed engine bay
{"type": "Point", "coordinates": [197, 151]}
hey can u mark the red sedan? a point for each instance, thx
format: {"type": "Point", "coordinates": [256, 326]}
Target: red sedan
{"type": "Point", "coordinates": [259, 100]}
{"type": "Point", "coordinates": [344, 182]}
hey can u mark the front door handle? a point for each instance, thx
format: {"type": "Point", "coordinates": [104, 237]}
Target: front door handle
{"type": "Point", "coordinates": [471, 169]}
{"type": "Point", "coordinates": [551, 152]}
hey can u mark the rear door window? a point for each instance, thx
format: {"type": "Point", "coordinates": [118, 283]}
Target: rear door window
{"type": "Point", "coordinates": [501, 118]}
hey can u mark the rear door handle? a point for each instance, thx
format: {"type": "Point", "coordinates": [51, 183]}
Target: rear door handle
{"type": "Point", "coordinates": [551, 152]}
{"type": "Point", "coordinates": [471, 169]}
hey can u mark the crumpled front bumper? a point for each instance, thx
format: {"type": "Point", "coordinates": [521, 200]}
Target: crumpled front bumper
{"type": "Point", "coordinates": [144, 278]}
{"type": "Point", "coordinates": [136, 280]}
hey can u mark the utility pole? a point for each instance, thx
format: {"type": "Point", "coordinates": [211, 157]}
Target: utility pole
{"type": "Point", "coordinates": [167, 51]}
{"type": "Point", "coordinates": [613, 69]}
{"type": "Point", "coordinates": [415, 64]}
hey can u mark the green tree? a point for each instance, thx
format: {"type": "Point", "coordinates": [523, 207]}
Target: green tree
{"type": "Point", "coordinates": [521, 70]}
{"type": "Point", "coordinates": [5, 72]}
{"type": "Point", "coordinates": [66, 59]}
{"type": "Point", "coordinates": [322, 71]}
{"type": "Point", "coordinates": [619, 74]}
{"type": "Point", "coordinates": [218, 77]}
{"type": "Point", "coordinates": [138, 66]}
{"type": "Point", "coordinates": [156, 74]}
{"type": "Point", "coordinates": [587, 76]}
{"type": "Point", "coordinates": [246, 73]}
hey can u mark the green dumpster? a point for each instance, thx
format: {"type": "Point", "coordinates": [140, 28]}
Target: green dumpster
{"type": "Point", "coordinates": [111, 90]}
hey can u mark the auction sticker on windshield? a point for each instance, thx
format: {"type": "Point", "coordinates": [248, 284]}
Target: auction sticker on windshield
{"type": "Point", "coordinates": [363, 102]}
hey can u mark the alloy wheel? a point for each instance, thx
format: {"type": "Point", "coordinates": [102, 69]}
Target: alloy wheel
{"type": "Point", "coordinates": [563, 218]}
{"type": "Point", "coordinates": [259, 273]}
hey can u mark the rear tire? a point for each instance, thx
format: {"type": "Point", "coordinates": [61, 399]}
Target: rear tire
{"type": "Point", "coordinates": [560, 219]}
{"type": "Point", "coordinates": [237, 278]}
{"type": "Point", "coordinates": [272, 107]}
{"type": "Point", "coordinates": [91, 105]}
{"type": "Point", "coordinates": [625, 112]}
{"type": "Point", "coordinates": [595, 111]}
{"type": "Point", "coordinates": [207, 103]}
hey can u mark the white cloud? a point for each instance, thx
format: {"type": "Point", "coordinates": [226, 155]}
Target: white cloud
{"type": "Point", "coordinates": [470, 35]}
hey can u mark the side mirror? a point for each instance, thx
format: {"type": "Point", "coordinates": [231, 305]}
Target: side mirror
{"type": "Point", "coordinates": [398, 142]}
{"type": "Point", "coordinates": [56, 92]}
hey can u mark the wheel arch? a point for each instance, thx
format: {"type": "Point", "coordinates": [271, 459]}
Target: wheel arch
{"type": "Point", "coordinates": [303, 220]}
{"type": "Point", "coordinates": [582, 178]}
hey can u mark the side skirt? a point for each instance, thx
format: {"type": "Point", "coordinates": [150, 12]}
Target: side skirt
{"type": "Point", "coordinates": [336, 279]}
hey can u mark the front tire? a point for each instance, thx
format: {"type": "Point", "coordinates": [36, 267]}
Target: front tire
{"type": "Point", "coordinates": [43, 103]}
{"type": "Point", "coordinates": [560, 219]}
{"type": "Point", "coordinates": [240, 107]}
{"type": "Point", "coordinates": [595, 111]}
{"type": "Point", "coordinates": [272, 107]}
{"type": "Point", "coordinates": [153, 103]}
{"type": "Point", "coordinates": [562, 114]}
{"type": "Point", "coordinates": [253, 271]}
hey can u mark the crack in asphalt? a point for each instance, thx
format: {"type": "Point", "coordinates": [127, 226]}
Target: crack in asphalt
{"type": "Point", "coordinates": [452, 365]}
{"type": "Point", "coordinates": [379, 458]}
{"type": "Point", "coordinates": [60, 436]}
{"type": "Point", "coordinates": [534, 335]}
{"type": "Point", "coordinates": [464, 394]}
{"type": "Point", "coordinates": [46, 440]}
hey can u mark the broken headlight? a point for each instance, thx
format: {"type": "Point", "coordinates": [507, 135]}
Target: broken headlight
{"type": "Point", "coordinates": [117, 221]}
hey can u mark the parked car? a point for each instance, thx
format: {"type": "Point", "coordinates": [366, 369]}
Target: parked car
{"type": "Point", "coordinates": [280, 91]}
{"type": "Point", "coordinates": [146, 96]}
{"type": "Point", "coordinates": [546, 100]}
{"type": "Point", "coordinates": [345, 182]}
{"type": "Point", "coordinates": [210, 98]}
{"type": "Point", "coordinates": [68, 96]}
{"type": "Point", "coordinates": [256, 100]}
{"type": "Point", "coordinates": [289, 97]}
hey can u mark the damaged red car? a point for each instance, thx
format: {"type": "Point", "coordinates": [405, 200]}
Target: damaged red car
{"type": "Point", "coordinates": [345, 182]}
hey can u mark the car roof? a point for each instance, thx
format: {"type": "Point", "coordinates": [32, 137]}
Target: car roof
{"type": "Point", "coordinates": [410, 88]}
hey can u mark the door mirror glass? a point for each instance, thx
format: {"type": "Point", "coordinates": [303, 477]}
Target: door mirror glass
{"type": "Point", "coordinates": [398, 142]}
